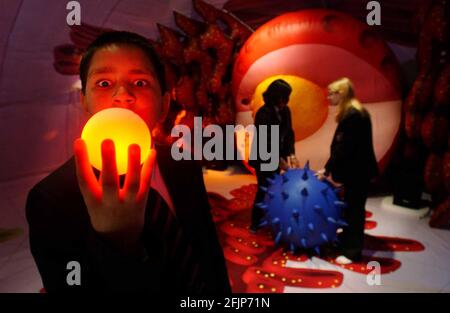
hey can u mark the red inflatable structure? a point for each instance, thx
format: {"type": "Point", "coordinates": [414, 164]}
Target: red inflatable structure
{"type": "Point", "coordinates": [310, 49]}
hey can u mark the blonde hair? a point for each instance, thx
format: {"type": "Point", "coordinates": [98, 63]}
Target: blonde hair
{"type": "Point", "coordinates": [344, 86]}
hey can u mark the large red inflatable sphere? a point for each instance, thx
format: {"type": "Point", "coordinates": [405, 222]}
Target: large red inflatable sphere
{"type": "Point", "coordinates": [310, 49]}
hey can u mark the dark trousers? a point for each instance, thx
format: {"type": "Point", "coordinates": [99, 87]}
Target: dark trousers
{"type": "Point", "coordinates": [258, 213]}
{"type": "Point", "coordinates": [352, 237]}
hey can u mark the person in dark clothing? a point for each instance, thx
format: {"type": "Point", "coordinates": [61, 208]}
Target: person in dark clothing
{"type": "Point", "coordinates": [274, 112]}
{"type": "Point", "coordinates": [352, 163]}
{"type": "Point", "coordinates": [154, 234]}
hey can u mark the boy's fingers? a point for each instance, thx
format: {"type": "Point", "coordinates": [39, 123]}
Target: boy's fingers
{"type": "Point", "coordinates": [110, 179]}
{"type": "Point", "coordinates": [133, 176]}
{"type": "Point", "coordinates": [87, 181]}
{"type": "Point", "coordinates": [146, 175]}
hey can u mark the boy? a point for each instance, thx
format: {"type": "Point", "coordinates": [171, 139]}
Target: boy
{"type": "Point", "coordinates": [154, 234]}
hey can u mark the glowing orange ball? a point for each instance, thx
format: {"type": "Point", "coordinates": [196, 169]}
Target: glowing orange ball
{"type": "Point", "coordinates": [123, 127]}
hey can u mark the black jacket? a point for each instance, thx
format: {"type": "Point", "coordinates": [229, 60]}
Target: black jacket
{"type": "Point", "coordinates": [60, 232]}
{"type": "Point", "coordinates": [352, 158]}
{"type": "Point", "coordinates": [268, 115]}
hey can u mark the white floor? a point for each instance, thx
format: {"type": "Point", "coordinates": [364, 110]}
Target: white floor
{"type": "Point", "coordinates": [425, 271]}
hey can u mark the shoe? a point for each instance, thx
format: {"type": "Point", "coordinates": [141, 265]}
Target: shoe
{"type": "Point", "coordinates": [343, 260]}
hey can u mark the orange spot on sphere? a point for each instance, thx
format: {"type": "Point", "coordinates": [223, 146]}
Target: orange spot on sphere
{"type": "Point", "coordinates": [308, 104]}
{"type": "Point", "coordinates": [123, 127]}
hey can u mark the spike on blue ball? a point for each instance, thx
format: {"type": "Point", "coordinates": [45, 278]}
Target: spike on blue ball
{"type": "Point", "coordinates": [292, 247]}
{"type": "Point", "coordinates": [305, 175]}
{"type": "Point", "coordinates": [307, 211]}
{"type": "Point", "coordinates": [306, 168]}
{"type": "Point", "coordinates": [261, 205]}
{"type": "Point", "coordinates": [278, 238]}
{"type": "Point", "coordinates": [303, 242]}
{"type": "Point", "coordinates": [263, 224]}
{"type": "Point", "coordinates": [317, 249]}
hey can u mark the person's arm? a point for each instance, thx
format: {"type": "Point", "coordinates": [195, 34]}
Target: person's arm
{"type": "Point", "coordinates": [327, 168]}
{"type": "Point", "coordinates": [262, 117]}
{"type": "Point", "coordinates": [109, 251]}
{"type": "Point", "coordinates": [290, 143]}
{"type": "Point", "coordinates": [348, 142]}
{"type": "Point", "coordinates": [345, 146]}
{"type": "Point", "coordinates": [290, 137]}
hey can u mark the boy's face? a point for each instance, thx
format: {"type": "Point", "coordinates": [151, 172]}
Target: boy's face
{"type": "Point", "coordinates": [122, 76]}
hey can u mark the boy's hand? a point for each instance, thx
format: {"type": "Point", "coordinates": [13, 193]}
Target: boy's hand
{"type": "Point", "coordinates": [116, 214]}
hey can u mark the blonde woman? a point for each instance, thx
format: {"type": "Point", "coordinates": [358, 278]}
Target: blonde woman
{"type": "Point", "coordinates": [352, 162]}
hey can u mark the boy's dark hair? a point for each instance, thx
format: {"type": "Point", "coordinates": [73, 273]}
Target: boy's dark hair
{"type": "Point", "coordinates": [278, 89]}
{"type": "Point", "coordinates": [124, 38]}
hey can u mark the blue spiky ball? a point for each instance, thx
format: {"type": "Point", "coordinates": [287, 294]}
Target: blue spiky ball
{"type": "Point", "coordinates": [303, 211]}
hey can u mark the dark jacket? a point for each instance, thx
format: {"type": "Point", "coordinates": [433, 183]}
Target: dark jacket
{"type": "Point", "coordinates": [268, 115]}
{"type": "Point", "coordinates": [352, 158]}
{"type": "Point", "coordinates": [60, 232]}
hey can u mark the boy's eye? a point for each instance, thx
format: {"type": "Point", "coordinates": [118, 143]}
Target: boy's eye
{"type": "Point", "coordinates": [104, 83]}
{"type": "Point", "coordinates": [140, 83]}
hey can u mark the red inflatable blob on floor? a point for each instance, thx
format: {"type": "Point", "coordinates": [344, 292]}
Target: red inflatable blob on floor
{"type": "Point", "coordinates": [256, 265]}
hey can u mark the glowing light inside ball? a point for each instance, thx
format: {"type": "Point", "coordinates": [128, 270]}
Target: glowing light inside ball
{"type": "Point", "coordinates": [123, 127]}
